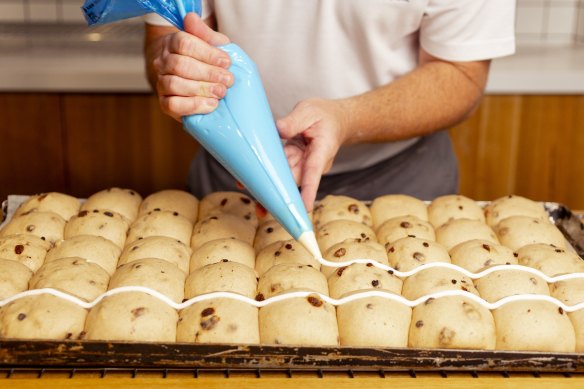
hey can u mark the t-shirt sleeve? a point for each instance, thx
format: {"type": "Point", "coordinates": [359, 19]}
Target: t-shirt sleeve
{"type": "Point", "coordinates": [157, 20]}
{"type": "Point", "coordinates": [468, 30]}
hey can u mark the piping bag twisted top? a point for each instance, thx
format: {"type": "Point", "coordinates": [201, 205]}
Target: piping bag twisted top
{"type": "Point", "coordinates": [240, 133]}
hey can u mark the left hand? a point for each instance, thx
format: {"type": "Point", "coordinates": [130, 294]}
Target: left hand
{"type": "Point", "coordinates": [314, 131]}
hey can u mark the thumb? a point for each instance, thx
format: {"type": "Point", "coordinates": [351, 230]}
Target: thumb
{"type": "Point", "coordinates": [295, 123]}
{"type": "Point", "coordinates": [196, 26]}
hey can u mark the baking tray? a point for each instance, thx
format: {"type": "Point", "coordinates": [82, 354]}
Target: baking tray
{"type": "Point", "coordinates": [97, 354]}
{"type": "Point", "coordinates": [94, 354]}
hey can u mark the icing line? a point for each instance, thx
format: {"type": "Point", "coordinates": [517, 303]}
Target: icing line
{"type": "Point", "coordinates": [298, 294]}
{"type": "Point", "coordinates": [452, 266]}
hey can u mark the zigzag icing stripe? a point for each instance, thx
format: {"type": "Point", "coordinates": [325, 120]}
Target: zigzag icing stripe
{"type": "Point", "coordinates": [291, 295]}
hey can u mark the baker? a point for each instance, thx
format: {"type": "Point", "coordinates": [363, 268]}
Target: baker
{"type": "Point", "coordinates": [362, 91]}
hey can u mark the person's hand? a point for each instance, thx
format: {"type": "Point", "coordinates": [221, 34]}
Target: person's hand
{"type": "Point", "coordinates": [191, 72]}
{"type": "Point", "coordinates": [314, 131]}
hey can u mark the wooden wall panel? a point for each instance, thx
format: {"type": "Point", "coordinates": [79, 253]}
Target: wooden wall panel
{"type": "Point", "coordinates": [123, 140]}
{"type": "Point", "coordinates": [31, 153]}
{"type": "Point", "coordinates": [82, 143]}
{"type": "Point", "coordinates": [486, 146]}
{"type": "Point", "coordinates": [552, 140]}
{"type": "Point", "coordinates": [526, 145]}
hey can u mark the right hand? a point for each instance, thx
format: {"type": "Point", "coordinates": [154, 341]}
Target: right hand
{"type": "Point", "coordinates": [191, 72]}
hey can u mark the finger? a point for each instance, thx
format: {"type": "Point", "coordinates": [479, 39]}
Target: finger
{"type": "Point", "coordinates": [179, 106]}
{"type": "Point", "coordinates": [169, 85]}
{"type": "Point", "coordinates": [297, 121]}
{"type": "Point", "coordinates": [192, 46]}
{"type": "Point", "coordinates": [192, 69]}
{"type": "Point", "coordinates": [193, 24]}
{"type": "Point", "coordinates": [293, 154]}
{"type": "Point", "coordinates": [312, 171]}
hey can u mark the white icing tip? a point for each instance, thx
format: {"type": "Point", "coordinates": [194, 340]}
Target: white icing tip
{"type": "Point", "coordinates": [308, 240]}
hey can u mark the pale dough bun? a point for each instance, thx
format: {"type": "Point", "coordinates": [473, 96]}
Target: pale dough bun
{"type": "Point", "coordinates": [107, 224]}
{"type": "Point", "coordinates": [45, 225]}
{"type": "Point", "coordinates": [307, 321]}
{"type": "Point", "coordinates": [59, 203]}
{"type": "Point", "coordinates": [477, 254]}
{"type": "Point", "coordinates": [161, 247]}
{"type": "Point", "coordinates": [222, 277]}
{"type": "Point", "coordinates": [218, 250]}
{"type": "Point", "coordinates": [220, 226]}
{"type": "Point", "coordinates": [407, 253]}
{"type": "Point", "coordinates": [550, 260]}
{"type": "Point", "coordinates": [287, 276]}
{"type": "Point", "coordinates": [220, 320]}
{"type": "Point", "coordinates": [336, 207]}
{"type": "Point", "coordinates": [374, 322]}
{"type": "Point", "coordinates": [161, 223]}
{"type": "Point", "coordinates": [172, 200]}
{"type": "Point", "coordinates": [289, 251]}
{"type": "Point", "coordinates": [513, 205]}
{"type": "Point", "coordinates": [404, 226]}
{"type": "Point", "coordinates": [518, 231]}
{"type": "Point", "coordinates": [452, 322]}
{"type": "Point", "coordinates": [268, 233]}
{"type": "Point", "coordinates": [126, 202]}
{"type": "Point", "coordinates": [14, 277]}
{"type": "Point", "coordinates": [42, 317]}
{"type": "Point", "coordinates": [499, 284]}
{"type": "Point", "coordinates": [94, 249]}
{"type": "Point", "coordinates": [388, 207]}
{"type": "Point", "coordinates": [341, 230]}
{"type": "Point", "coordinates": [534, 326]}
{"type": "Point", "coordinates": [153, 273]}
{"type": "Point", "coordinates": [449, 207]}
{"type": "Point", "coordinates": [353, 249]}
{"type": "Point", "coordinates": [458, 231]}
{"type": "Point", "coordinates": [264, 216]}
{"type": "Point", "coordinates": [233, 203]}
{"type": "Point", "coordinates": [75, 276]}
{"type": "Point", "coordinates": [435, 280]}
{"type": "Point", "coordinates": [361, 277]}
{"type": "Point", "coordinates": [132, 316]}
{"type": "Point", "coordinates": [571, 292]}
{"type": "Point", "coordinates": [30, 250]}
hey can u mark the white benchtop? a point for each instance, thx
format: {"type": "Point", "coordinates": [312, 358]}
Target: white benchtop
{"type": "Point", "coordinates": [532, 70]}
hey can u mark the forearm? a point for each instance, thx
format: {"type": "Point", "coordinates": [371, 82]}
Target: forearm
{"type": "Point", "coordinates": [434, 96]}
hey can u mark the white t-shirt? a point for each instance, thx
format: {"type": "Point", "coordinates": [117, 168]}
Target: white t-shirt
{"type": "Point", "coordinates": [338, 48]}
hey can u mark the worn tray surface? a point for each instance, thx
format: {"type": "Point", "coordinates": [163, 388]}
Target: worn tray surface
{"type": "Point", "coordinates": [21, 353]}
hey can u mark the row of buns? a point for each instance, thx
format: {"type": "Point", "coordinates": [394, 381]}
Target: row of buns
{"type": "Point", "coordinates": [183, 248]}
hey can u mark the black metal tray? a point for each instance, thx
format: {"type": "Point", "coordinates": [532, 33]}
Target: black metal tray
{"type": "Point", "coordinates": [84, 354]}
{"type": "Point", "coordinates": [97, 354]}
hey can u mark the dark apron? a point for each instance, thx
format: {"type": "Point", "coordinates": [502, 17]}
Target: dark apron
{"type": "Point", "coordinates": [425, 170]}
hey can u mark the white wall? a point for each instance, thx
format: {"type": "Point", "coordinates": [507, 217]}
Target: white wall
{"type": "Point", "coordinates": [538, 21]}
{"type": "Point", "coordinates": [550, 21]}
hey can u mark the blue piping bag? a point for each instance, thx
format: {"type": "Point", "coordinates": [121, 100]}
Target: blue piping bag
{"type": "Point", "coordinates": [240, 133]}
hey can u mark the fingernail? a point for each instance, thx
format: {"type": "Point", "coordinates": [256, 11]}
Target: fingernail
{"type": "Point", "coordinates": [226, 79]}
{"type": "Point", "coordinates": [222, 62]}
{"type": "Point", "coordinates": [211, 102]}
{"type": "Point", "coordinates": [218, 91]}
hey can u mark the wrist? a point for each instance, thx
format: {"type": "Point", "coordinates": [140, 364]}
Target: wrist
{"type": "Point", "coordinates": [350, 132]}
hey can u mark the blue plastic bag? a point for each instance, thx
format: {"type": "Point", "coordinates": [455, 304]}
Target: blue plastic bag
{"type": "Point", "coordinates": [107, 11]}
{"type": "Point", "coordinates": [240, 133]}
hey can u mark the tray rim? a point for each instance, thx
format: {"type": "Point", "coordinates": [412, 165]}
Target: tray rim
{"type": "Point", "coordinates": [98, 354]}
